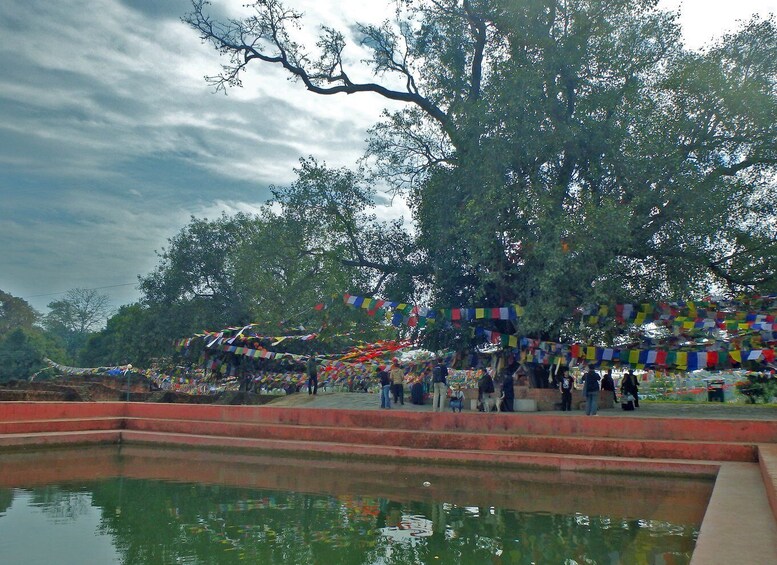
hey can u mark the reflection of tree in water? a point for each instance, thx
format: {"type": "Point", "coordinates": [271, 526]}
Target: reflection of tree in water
{"type": "Point", "coordinates": [62, 503]}
{"type": "Point", "coordinates": [483, 535]}
{"type": "Point", "coordinates": [158, 522]}
{"type": "Point", "coordinates": [6, 499]}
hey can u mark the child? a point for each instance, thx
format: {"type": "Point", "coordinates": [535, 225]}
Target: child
{"type": "Point", "coordinates": [457, 398]}
{"type": "Point", "coordinates": [566, 385]}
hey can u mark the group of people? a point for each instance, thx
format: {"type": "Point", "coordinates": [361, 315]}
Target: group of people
{"type": "Point", "coordinates": [487, 400]}
{"type": "Point", "coordinates": [391, 381]}
{"type": "Point", "coordinates": [593, 382]}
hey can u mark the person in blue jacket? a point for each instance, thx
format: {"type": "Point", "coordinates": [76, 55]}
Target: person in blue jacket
{"type": "Point", "coordinates": [591, 388]}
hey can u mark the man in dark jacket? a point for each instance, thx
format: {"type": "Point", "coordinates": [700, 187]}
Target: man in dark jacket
{"type": "Point", "coordinates": [630, 385]}
{"type": "Point", "coordinates": [312, 370]}
{"type": "Point", "coordinates": [609, 384]}
{"type": "Point", "coordinates": [385, 387]}
{"type": "Point", "coordinates": [486, 391]}
{"type": "Point", "coordinates": [440, 384]}
{"type": "Point", "coordinates": [591, 386]}
{"type": "Point", "coordinates": [508, 393]}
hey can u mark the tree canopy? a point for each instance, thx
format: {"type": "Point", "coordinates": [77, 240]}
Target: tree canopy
{"type": "Point", "coordinates": [553, 152]}
{"type": "Point", "coordinates": [15, 313]}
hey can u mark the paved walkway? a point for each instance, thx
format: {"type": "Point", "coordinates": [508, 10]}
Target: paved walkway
{"type": "Point", "coordinates": [647, 409]}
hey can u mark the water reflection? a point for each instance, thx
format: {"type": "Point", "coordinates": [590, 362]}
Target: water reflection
{"type": "Point", "coordinates": [145, 502]}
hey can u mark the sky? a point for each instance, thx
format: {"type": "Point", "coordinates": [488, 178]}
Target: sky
{"type": "Point", "coordinates": [110, 138]}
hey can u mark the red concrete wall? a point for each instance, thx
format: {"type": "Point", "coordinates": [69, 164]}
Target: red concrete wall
{"type": "Point", "coordinates": [540, 424]}
{"type": "Point", "coordinates": [532, 424]}
{"type": "Point", "coordinates": [10, 411]}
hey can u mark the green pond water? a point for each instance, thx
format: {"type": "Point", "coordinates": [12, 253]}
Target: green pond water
{"type": "Point", "coordinates": [138, 505]}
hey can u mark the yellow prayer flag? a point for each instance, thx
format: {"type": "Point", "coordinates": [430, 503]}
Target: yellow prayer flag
{"type": "Point", "coordinates": [640, 319]}
{"type": "Point", "coordinates": [736, 355]}
{"type": "Point", "coordinates": [480, 313]}
{"type": "Point", "coordinates": [590, 353]}
{"type": "Point", "coordinates": [634, 356]}
{"type": "Point", "coordinates": [682, 359]}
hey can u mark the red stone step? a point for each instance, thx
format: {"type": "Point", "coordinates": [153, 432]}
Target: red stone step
{"type": "Point", "coordinates": [61, 425]}
{"type": "Point", "coordinates": [563, 462]}
{"type": "Point", "coordinates": [10, 411]}
{"type": "Point", "coordinates": [60, 438]}
{"type": "Point", "coordinates": [689, 429]}
{"type": "Point", "coordinates": [658, 449]}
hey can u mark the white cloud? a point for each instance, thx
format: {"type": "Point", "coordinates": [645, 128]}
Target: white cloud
{"type": "Point", "coordinates": [704, 20]}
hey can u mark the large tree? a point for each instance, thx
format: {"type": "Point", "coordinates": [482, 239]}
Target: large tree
{"type": "Point", "coordinates": [553, 152]}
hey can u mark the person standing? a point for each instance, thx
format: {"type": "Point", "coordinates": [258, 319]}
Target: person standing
{"type": "Point", "coordinates": [566, 385]}
{"type": "Point", "coordinates": [312, 370]}
{"type": "Point", "coordinates": [508, 393]}
{"type": "Point", "coordinates": [385, 387]}
{"type": "Point", "coordinates": [397, 375]}
{"type": "Point", "coordinates": [440, 384]}
{"type": "Point", "coordinates": [629, 385]}
{"type": "Point", "coordinates": [486, 391]}
{"type": "Point", "coordinates": [591, 386]}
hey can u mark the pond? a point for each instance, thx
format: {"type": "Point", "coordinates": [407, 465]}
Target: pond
{"type": "Point", "coordinates": [141, 505]}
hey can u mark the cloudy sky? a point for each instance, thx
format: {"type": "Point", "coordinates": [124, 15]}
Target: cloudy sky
{"type": "Point", "coordinates": [110, 139]}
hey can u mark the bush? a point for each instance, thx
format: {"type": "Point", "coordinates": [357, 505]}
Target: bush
{"type": "Point", "coordinates": [758, 387]}
{"type": "Point", "coordinates": [19, 358]}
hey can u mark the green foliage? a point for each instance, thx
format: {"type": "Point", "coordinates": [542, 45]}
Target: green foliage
{"type": "Point", "coordinates": [271, 268]}
{"type": "Point", "coordinates": [19, 357]}
{"type": "Point", "coordinates": [758, 387]}
{"type": "Point", "coordinates": [72, 319]}
{"type": "Point", "coordinates": [135, 334]}
{"type": "Point", "coordinates": [15, 313]}
{"type": "Point", "coordinates": [553, 153]}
